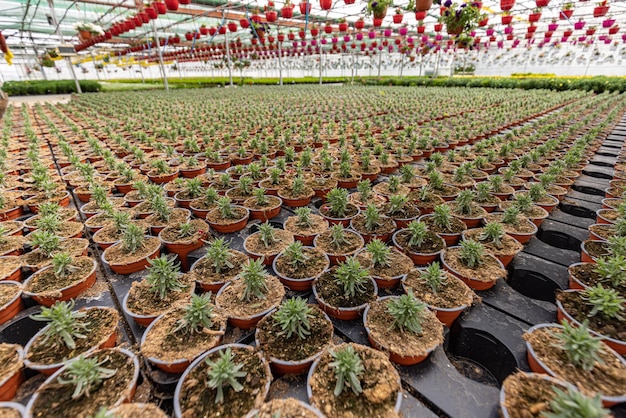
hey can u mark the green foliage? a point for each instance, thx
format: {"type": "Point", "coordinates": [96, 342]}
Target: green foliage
{"type": "Point", "coordinates": [471, 253]}
{"type": "Point", "coordinates": [381, 253]}
{"type": "Point", "coordinates": [49, 223]}
{"type": "Point", "coordinates": [133, 238]}
{"type": "Point", "coordinates": [304, 219]}
{"type": "Point", "coordinates": [225, 208]}
{"type": "Point", "coordinates": [62, 265]}
{"type": "Point", "coordinates": [365, 189]}
{"type": "Point", "coordinates": [492, 232]}
{"type": "Point", "coordinates": [464, 202]}
{"type": "Point", "coordinates": [85, 374]}
{"type": "Point", "coordinates": [268, 234]}
{"type": "Point", "coordinates": [46, 242]}
{"type": "Point", "coordinates": [164, 276]}
{"type": "Point", "coordinates": [219, 255]}
{"type": "Point", "coordinates": [510, 216]}
{"type": "Point", "coordinates": [224, 373]}
{"type": "Point", "coordinates": [198, 315]}
{"type": "Point", "coordinates": [397, 203]}
{"type": "Point", "coordinates": [65, 325]}
{"type": "Point", "coordinates": [348, 367]}
{"type": "Point", "coordinates": [337, 200]}
{"type": "Point", "coordinates": [261, 198]}
{"type": "Point", "coordinates": [293, 318]}
{"type": "Point", "coordinates": [418, 231]}
{"type": "Point", "coordinates": [295, 254]}
{"type": "Point", "coordinates": [193, 187]}
{"type": "Point", "coordinates": [186, 230]}
{"type": "Point", "coordinates": [372, 217]}
{"type": "Point", "coordinates": [604, 301]}
{"type": "Point", "coordinates": [580, 346]}
{"type": "Point", "coordinates": [298, 185]}
{"type": "Point", "coordinates": [406, 311]}
{"type": "Point", "coordinates": [574, 404]}
{"type": "Point", "coordinates": [434, 276]}
{"type": "Point", "coordinates": [524, 203]}
{"type": "Point", "coordinates": [254, 275]}
{"type": "Point", "coordinates": [352, 277]}
{"type": "Point", "coordinates": [442, 217]}
{"type": "Point", "coordinates": [30, 88]}
{"type": "Point", "coordinates": [338, 236]}
{"type": "Point", "coordinates": [612, 269]}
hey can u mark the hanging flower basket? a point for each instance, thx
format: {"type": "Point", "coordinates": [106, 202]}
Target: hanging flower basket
{"type": "Point", "coordinates": [607, 23]}
{"type": "Point", "coordinates": [160, 7]}
{"type": "Point", "coordinates": [507, 5]}
{"type": "Point", "coordinates": [566, 14]}
{"type": "Point", "coordinates": [305, 8]}
{"type": "Point", "coordinates": [542, 3]}
{"type": "Point", "coordinates": [579, 25]}
{"type": "Point", "coordinates": [507, 19]}
{"type": "Point", "coordinates": [423, 5]}
{"type": "Point", "coordinates": [171, 5]}
{"type": "Point", "coordinates": [326, 4]}
{"type": "Point", "coordinates": [286, 12]}
{"type": "Point", "coordinates": [600, 11]}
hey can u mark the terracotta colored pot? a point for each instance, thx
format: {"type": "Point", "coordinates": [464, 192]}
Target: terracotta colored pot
{"type": "Point", "coordinates": [232, 227]}
{"type": "Point", "coordinates": [11, 308]}
{"type": "Point", "coordinates": [15, 275]}
{"type": "Point", "coordinates": [192, 172]}
{"type": "Point", "coordinates": [573, 283]}
{"type": "Point", "coordinates": [244, 322]}
{"type": "Point", "coordinates": [393, 356]}
{"type": "Point", "coordinates": [538, 366]}
{"type": "Point", "coordinates": [524, 238]}
{"type": "Point", "coordinates": [309, 391]}
{"type": "Point", "coordinates": [178, 413]}
{"type": "Point", "coordinates": [134, 266]}
{"type": "Point", "coordinates": [10, 385]}
{"type": "Point", "coordinates": [143, 320]}
{"type": "Point", "coordinates": [161, 179]}
{"type": "Point", "coordinates": [264, 214]}
{"type": "Point", "coordinates": [49, 369]}
{"type": "Point", "coordinates": [126, 395]}
{"type": "Point", "coordinates": [561, 314]}
{"type": "Point", "coordinates": [11, 214]}
{"type": "Point", "coordinates": [68, 292]}
{"type": "Point", "coordinates": [296, 203]}
{"type": "Point", "coordinates": [337, 312]}
{"type": "Point", "coordinates": [473, 283]}
{"type": "Point", "coordinates": [297, 285]}
{"type": "Point", "coordinates": [175, 367]}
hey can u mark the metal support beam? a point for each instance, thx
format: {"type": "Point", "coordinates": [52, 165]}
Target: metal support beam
{"type": "Point", "coordinates": [53, 17]}
{"type": "Point", "coordinates": [280, 64]}
{"type": "Point", "coordinates": [160, 53]}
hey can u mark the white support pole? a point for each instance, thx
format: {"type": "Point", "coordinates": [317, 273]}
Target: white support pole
{"type": "Point", "coordinates": [160, 53]}
{"type": "Point", "coordinates": [321, 56]}
{"type": "Point", "coordinates": [380, 59]}
{"type": "Point", "coordinates": [53, 17]}
{"type": "Point", "coordinates": [93, 59]}
{"type": "Point", "coordinates": [402, 65]}
{"type": "Point", "coordinates": [280, 64]}
{"type": "Point", "coordinates": [353, 66]}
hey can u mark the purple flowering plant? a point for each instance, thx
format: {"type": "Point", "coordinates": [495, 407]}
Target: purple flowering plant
{"type": "Point", "coordinates": [460, 17]}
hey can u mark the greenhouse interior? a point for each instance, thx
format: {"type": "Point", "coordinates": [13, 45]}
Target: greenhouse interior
{"type": "Point", "coordinates": [193, 192]}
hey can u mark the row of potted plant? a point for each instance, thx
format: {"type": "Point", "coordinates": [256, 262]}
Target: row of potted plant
{"type": "Point", "coordinates": [166, 286]}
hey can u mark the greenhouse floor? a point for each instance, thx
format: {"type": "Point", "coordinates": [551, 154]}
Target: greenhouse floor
{"type": "Point", "coordinates": [462, 377]}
